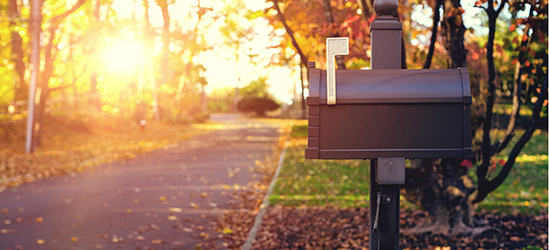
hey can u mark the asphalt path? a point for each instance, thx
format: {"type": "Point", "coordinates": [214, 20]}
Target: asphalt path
{"type": "Point", "coordinates": [165, 199]}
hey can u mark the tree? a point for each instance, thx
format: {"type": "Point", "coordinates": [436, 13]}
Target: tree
{"type": "Point", "coordinates": [50, 53]}
{"type": "Point", "coordinates": [443, 187]}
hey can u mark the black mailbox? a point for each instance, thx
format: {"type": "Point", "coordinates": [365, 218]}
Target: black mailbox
{"type": "Point", "coordinates": [390, 113]}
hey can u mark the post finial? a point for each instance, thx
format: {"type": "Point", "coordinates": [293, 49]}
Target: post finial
{"type": "Point", "coordinates": [386, 7]}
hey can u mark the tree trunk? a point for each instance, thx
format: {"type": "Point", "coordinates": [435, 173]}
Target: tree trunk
{"type": "Point", "coordinates": [442, 189]}
{"type": "Point", "coordinates": [94, 100]}
{"type": "Point", "coordinates": [20, 85]}
{"type": "Point", "coordinates": [165, 39]}
{"type": "Point", "coordinates": [149, 32]}
{"type": "Point", "coordinates": [434, 34]}
{"type": "Point", "coordinates": [454, 30]}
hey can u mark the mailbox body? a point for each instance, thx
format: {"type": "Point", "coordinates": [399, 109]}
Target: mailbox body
{"type": "Point", "coordinates": [390, 113]}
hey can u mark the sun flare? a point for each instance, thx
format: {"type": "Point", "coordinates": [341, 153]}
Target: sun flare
{"type": "Point", "coordinates": [124, 57]}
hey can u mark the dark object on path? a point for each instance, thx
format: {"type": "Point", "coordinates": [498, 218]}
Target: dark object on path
{"type": "Point", "coordinates": [259, 105]}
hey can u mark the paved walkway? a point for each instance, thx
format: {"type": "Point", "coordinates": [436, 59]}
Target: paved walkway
{"type": "Point", "coordinates": [163, 200]}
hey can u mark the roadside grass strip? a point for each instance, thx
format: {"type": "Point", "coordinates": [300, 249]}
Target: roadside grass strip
{"type": "Point", "coordinates": [345, 183]}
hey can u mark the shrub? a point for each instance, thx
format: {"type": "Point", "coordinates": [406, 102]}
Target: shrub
{"type": "Point", "coordinates": [259, 105]}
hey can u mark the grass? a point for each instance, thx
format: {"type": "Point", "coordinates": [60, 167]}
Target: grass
{"type": "Point", "coordinates": [525, 189]}
{"type": "Point", "coordinates": [301, 182]}
{"type": "Point", "coordinates": [345, 183]}
{"type": "Point", "coordinates": [65, 151]}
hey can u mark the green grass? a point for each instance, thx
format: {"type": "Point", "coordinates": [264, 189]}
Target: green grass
{"type": "Point", "coordinates": [525, 189]}
{"type": "Point", "coordinates": [345, 183]}
{"type": "Point", "coordinates": [341, 183]}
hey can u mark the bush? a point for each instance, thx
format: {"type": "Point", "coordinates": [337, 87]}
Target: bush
{"type": "Point", "coordinates": [259, 105]}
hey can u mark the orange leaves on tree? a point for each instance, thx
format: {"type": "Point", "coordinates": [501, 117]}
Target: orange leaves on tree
{"type": "Point", "coordinates": [479, 3]}
{"type": "Point", "coordinates": [475, 56]}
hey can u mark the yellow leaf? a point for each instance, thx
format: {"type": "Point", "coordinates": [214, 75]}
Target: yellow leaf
{"type": "Point", "coordinates": [157, 241]}
{"type": "Point", "coordinates": [74, 239]}
{"type": "Point", "coordinates": [39, 220]}
{"type": "Point", "coordinates": [203, 194]}
{"type": "Point", "coordinates": [204, 235]}
{"type": "Point", "coordinates": [128, 210]}
{"type": "Point", "coordinates": [162, 198]}
{"type": "Point", "coordinates": [227, 231]}
{"type": "Point", "coordinates": [140, 238]}
{"type": "Point", "coordinates": [136, 201]}
{"type": "Point", "coordinates": [5, 210]}
{"type": "Point", "coordinates": [175, 210]}
{"type": "Point", "coordinates": [40, 242]}
{"type": "Point", "coordinates": [193, 205]}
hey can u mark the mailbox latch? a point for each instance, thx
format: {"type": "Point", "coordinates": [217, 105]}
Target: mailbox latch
{"type": "Point", "coordinates": [381, 198]}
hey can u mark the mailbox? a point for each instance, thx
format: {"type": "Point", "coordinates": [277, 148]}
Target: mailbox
{"type": "Point", "coordinates": [389, 113]}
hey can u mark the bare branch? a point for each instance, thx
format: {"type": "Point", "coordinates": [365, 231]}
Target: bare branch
{"type": "Point", "coordinates": [491, 185]}
{"type": "Point", "coordinates": [304, 58]}
{"type": "Point", "coordinates": [57, 19]}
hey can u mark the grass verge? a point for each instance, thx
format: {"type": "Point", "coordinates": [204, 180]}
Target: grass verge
{"type": "Point", "coordinates": [345, 183]}
{"type": "Point", "coordinates": [66, 151]}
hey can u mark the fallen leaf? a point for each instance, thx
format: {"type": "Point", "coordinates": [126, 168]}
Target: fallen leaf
{"type": "Point", "coordinates": [188, 230]}
{"type": "Point", "coordinates": [40, 242]}
{"type": "Point", "coordinates": [175, 210]}
{"type": "Point", "coordinates": [5, 210]}
{"type": "Point", "coordinates": [162, 198]}
{"type": "Point", "coordinates": [140, 238]}
{"type": "Point", "coordinates": [157, 241]}
{"type": "Point", "coordinates": [227, 231]}
{"type": "Point", "coordinates": [172, 217]}
{"type": "Point", "coordinates": [39, 220]}
{"type": "Point", "coordinates": [7, 222]}
{"type": "Point", "coordinates": [128, 210]}
{"type": "Point", "coordinates": [19, 220]}
{"type": "Point", "coordinates": [74, 239]}
{"type": "Point", "coordinates": [204, 235]}
{"type": "Point", "coordinates": [203, 194]}
{"type": "Point", "coordinates": [193, 205]}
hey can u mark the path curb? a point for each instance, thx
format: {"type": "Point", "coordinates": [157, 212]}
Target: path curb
{"type": "Point", "coordinates": [265, 204]}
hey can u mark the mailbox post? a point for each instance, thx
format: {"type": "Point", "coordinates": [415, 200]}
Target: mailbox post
{"type": "Point", "coordinates": [386, 38]}
{"type": "Point", "coordinates": [386, 114]}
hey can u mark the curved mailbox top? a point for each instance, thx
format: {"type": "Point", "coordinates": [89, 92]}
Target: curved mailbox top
{"type": "Point", "coordinates": [394, 86]}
